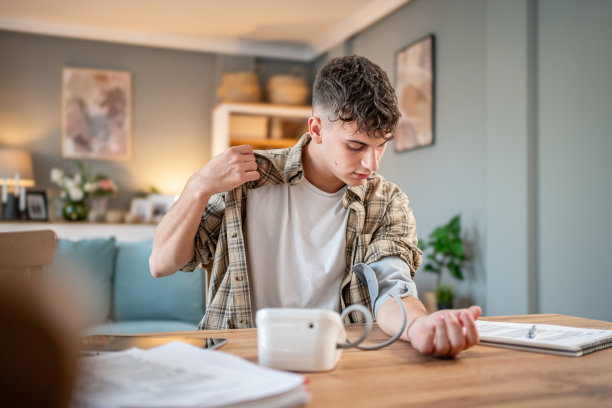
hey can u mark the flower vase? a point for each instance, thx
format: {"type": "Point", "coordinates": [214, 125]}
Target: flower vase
{"type": "Point", "coordinates": [97, 208]}
{"type": "Point", "coordinates": [75, 210]}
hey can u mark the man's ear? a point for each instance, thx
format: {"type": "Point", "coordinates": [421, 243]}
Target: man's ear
{"type": "Point", "coordinates": [314, 128]}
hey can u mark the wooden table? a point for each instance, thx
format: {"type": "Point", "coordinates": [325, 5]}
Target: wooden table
{"type": "Point", "coordinates": [398, 376]}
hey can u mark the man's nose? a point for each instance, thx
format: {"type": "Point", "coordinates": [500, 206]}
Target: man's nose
{"type": "Point", "coordinates": [370, 160]}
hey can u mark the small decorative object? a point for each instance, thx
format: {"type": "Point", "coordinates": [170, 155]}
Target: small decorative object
{"type": "Point", "coordinates": [36, 205]}
{"type": "Point", "coordinates": [114, 216]}
{"type": "Point", "coordinates": [96, 114]}
{"type": "Point", "coordinates": [101, 188]}
{"type": "Point", "coordinates": [239, 87]}
{"type": "Point", "coordinates": [444, 251]}
{"type": "Point", "coordinates": [75, 210]}
{"type": "Point", "coordinates": [143, 207]}
{"type": "Point", "coordinates": [160, 205]}
{"type": "Point", "coordinates": [77, 187]}
{"type": "Point", "coordinates": [414, 76]}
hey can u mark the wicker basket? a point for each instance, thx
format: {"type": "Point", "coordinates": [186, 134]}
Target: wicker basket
{"type": "Point", "coordinates": [288, 90]}
{"type": "Point", "coordinates": [239, 87]}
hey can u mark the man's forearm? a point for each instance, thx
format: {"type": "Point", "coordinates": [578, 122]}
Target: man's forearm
{"type": "Point", "coordinates": [173, 242]}
{"type": "Point", "coordinates": [389, 316]}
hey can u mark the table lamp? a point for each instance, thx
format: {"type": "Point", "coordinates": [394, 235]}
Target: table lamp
{"type": "Point", "coordinates": [16, 171]}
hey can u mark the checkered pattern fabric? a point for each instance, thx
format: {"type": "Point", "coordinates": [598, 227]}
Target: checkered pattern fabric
{"type": "Point", "coordinates": [380, 224]}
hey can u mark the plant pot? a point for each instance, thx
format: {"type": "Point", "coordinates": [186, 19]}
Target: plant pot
{"type": "Point", "coordinates": [430, 301]}
{"type": "Point", "coordinates": [75, 210]}
{"type": "Point", "coordinates": [445, 305]}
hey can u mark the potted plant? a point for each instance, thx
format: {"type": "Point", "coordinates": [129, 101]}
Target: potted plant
{"type": "Point", "coordinates": [444, 251]}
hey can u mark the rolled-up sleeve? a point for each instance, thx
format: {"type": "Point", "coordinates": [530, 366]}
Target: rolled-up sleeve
{"type": "Point", "coordinates": [208, 233]}
{"type": "Point", "coordinates": [396, 234]}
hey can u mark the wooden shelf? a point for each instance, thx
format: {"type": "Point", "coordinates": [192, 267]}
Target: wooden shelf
{"type": "Point", "coordinates": [264, 143]}
{"type": "Point", "coordinates": [287, 115]}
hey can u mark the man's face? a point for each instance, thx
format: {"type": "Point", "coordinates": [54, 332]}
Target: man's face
{"type": "Point", "coordinates": [350, 156]}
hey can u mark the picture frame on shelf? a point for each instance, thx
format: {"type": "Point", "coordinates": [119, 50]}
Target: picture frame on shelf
{"type": "Point", "coordinates": [160, 203]}
{"type": "Point", "coordinates": [415, 87]}
{"type": "Point", "coordinates": [36, 206]}
{"type": "Point", "coordinates": [143, 207]}
{"type": "Point", "coordinates": [96, 114]}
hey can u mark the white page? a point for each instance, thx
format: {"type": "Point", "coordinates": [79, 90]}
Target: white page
{"type": "Point", "coordinates": [546, 335]}
{"type": "Point", "coordinates": [178, 375]}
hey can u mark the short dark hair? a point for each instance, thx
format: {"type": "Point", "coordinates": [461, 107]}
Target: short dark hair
{"type": "Point", "coordinates": [354, 89]}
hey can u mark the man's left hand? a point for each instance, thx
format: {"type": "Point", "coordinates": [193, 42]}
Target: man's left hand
{"type": "Point", "coordinates": [445, 332]}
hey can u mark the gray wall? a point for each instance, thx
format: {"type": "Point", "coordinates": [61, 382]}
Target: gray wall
{"type": "Point", "coordinates": [172, 100]}
{"type": "Point", "coordinates": [575, 157]}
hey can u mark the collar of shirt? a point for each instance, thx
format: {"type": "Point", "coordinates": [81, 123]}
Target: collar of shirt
{"type": "Point", "coordinates": [278, 168]}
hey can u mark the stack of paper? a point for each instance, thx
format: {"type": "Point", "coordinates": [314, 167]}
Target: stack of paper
{"type": "Point", "coordinates": [182, 375]}
{"type": "Point", "coordinates": [544, 338]}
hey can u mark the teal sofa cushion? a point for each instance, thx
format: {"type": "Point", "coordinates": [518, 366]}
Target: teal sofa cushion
{"type": "Point", "coordinates": [139, 296]}
{"type": "Point", "coordinates": [141, 326]}
{"type": "Point", "coordinates": [86, 267]}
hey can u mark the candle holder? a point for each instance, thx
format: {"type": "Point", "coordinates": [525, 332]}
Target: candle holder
{"type": "Point", "coordinates": [10, 209]}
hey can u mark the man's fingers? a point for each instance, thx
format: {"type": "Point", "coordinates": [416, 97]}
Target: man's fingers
{"type": "Point", "coordinates": [456, 337]}
{"type": "Point", "coordinates": [442, 346]}
{"type": "Point", "coordinates": [469, 325]}
{"type": "Point", "coordinates": [243, 149]}
{"type": "Point", "coordinates": [475, 312]}
{"type": "Point", "coordinates": [251, 175]}
{"type": "Point", "coordinates": [248, 166]}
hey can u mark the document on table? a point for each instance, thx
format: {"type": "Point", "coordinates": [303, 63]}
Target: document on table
{"type": "Point", "coordinates": [181, 375]}
{"type": "Point", "coordinates": [543, 338]}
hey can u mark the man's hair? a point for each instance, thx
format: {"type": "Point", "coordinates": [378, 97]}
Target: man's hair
{"type": "Point", "coordinates": [354, 89]}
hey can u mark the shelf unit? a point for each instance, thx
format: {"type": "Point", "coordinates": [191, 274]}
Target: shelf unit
{"type": "Point", "coordinates": [75, 230]}
{"type": "Point", "coordinates": [222, 132]}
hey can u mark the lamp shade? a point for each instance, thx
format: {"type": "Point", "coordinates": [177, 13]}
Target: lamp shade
{"type": "Point", "coordinates": [13, 161]}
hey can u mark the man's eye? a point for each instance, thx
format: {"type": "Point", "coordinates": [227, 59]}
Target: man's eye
{"type": "Point", "coordinates": [355, 148]}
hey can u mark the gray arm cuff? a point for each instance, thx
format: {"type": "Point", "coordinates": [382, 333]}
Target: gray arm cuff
{"type": "Point", "coordinates": [388, 275]}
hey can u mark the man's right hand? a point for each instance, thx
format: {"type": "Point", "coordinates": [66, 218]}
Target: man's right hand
{"type": "Point", "coordinates": [226, 171]}
{"type": "Point", "coordinates": [173, 243]}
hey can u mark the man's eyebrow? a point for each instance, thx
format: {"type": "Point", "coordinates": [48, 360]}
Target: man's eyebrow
{"type": "Point", "coordinates": [365, 144]}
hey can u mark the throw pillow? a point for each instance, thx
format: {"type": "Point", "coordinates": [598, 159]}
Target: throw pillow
{"type": "Point", "coordinates": [140, 296]}
{"type": "Point", "coordinates": [86, 266]}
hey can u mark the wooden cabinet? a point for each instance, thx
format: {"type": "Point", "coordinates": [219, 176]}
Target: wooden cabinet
{"type": "Point", "coordinates": [263, 126]}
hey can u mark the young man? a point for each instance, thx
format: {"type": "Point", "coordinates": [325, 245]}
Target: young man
{"type": "Point", "coordinates": [314, 225]}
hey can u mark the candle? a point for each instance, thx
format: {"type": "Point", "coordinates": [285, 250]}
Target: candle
{"type": "Point", "coordinates": [22, 199]}
{"type": "Point", "coordinates": [4, 192]}
{"type": "Point", "coordinates": [16, 183]}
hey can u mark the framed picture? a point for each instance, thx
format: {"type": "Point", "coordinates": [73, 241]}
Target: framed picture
{"type": "Point", "coordinates": [143, 207]}
{"type": "Point", "coordinates": [414, 77]}
{"type": "Point", "coordinates": [96, 114]}
{"type": "Point", "coordinates": [160, 205]}
{"type": "Point", "coordinates": [36, 205]}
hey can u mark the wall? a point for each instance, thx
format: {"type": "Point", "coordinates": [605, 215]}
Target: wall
{"type": "Point", "coordinates": [172, 91]}
{"type": "Point", "coordinates": [173, 94]}
{"type": "Point", "coordinates": [575, 157]}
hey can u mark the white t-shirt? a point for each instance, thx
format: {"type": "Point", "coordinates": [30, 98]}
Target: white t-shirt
{"type": "Point", "coordinates": [295, 239]}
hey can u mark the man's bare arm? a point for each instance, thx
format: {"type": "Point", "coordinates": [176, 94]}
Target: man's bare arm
{"type": "Point", "coordinates": [173, 242]}
{"type": "Point", "coordinates": [443, 333]}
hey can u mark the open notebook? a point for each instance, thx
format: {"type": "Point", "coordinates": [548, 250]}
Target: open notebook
{"type": "Point", "coordinates": [543, 338]}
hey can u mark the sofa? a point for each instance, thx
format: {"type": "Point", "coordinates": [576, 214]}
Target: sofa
{"type": "Point", "coordinates": [112, 283]}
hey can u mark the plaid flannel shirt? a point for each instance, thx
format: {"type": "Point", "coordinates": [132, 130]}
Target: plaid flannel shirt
{"type": "Point", "coordinates": [380, 224]}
